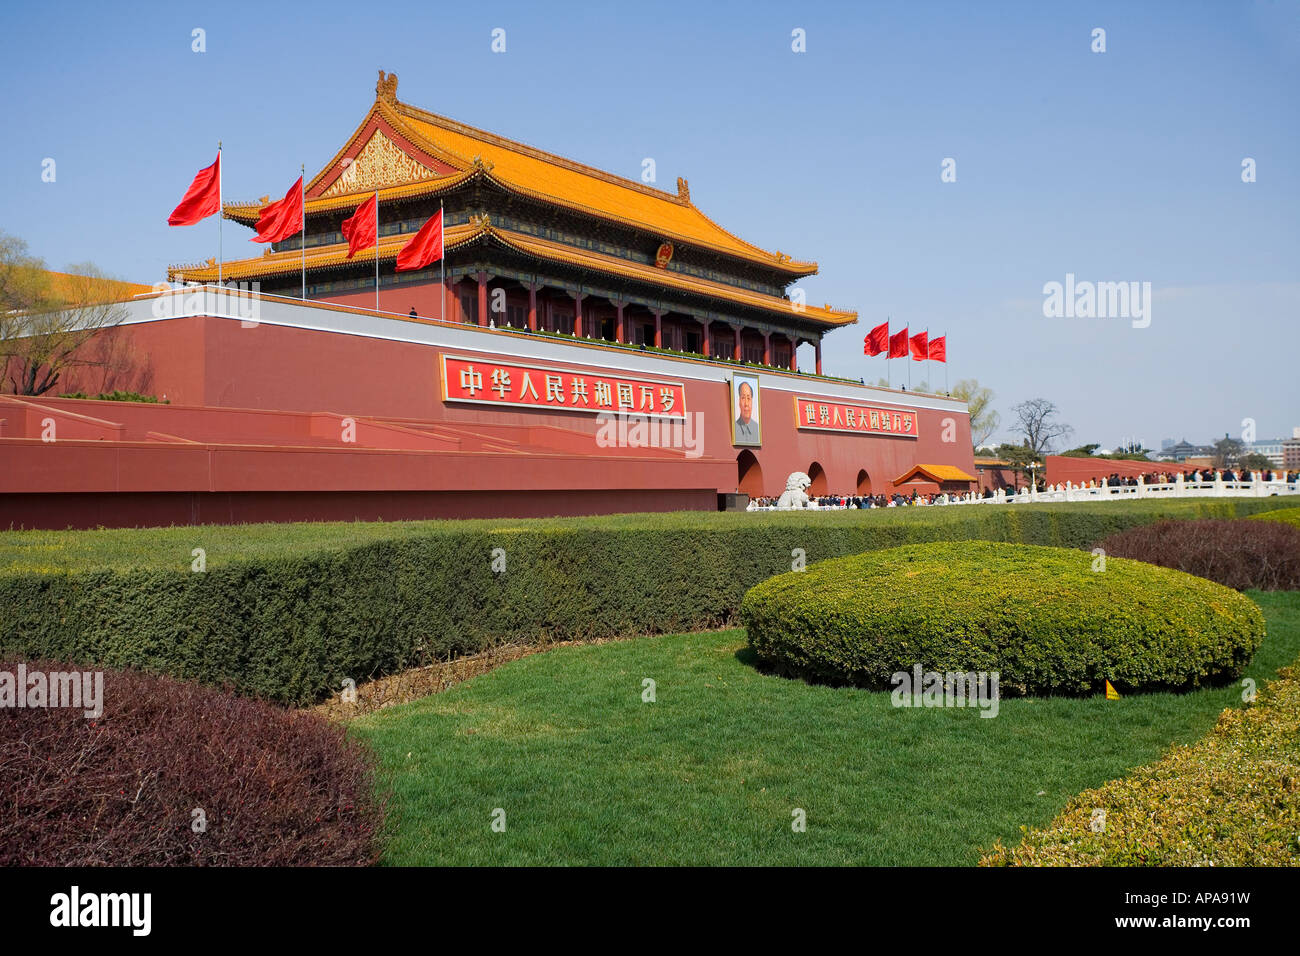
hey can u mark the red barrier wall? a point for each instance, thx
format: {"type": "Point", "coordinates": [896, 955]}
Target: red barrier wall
{"type": "Point", "coordinates": [276, 367]}
{"type": "Point", "coordinates": [1060, 469]}
{"type": "Point", "coordinates": [262, 410]}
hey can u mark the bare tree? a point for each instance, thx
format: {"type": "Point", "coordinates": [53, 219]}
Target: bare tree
{"type": "Point", "coordinates": [45, 324]}
{"type": "Point", "coordinates": [1036, 421]}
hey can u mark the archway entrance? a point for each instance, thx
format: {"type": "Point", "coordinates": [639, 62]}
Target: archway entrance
{"type": "Point", "coordinates": [748, 474]}
{"type": "Point", "coordinates": [818, 476]}
{"type": "Point", "coordinates": [864, 482]}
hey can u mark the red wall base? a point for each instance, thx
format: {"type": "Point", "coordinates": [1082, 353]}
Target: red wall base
{"type": "Point", "coordinates": [149, 509]}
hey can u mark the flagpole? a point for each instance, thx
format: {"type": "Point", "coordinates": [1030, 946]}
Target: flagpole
{"type": "Point", "coordinates": [442, 263]}
{"type": "Point", "coordinates": [376, 251]}
{"type": "Point", "coordinates": [302, 181]}
{"type": "Point", "coordinates": [928, 367]}
{"type": "Point", "coordinates": [221, 259]}
{"type": "Point", "coordinates": [945, 363]}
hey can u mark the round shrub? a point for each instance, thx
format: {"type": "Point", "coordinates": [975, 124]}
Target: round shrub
{"type": "Point", "coordinates": [1236, 554]}
{"type": "Point", "coordinates": [272, 787]}
{"type": "Point", "coordinates": [1040, 617]}
{"type": "Point", "coordinates": [1289, 516]}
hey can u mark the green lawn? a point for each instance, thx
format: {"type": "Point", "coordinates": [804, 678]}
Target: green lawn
{"type": "Point", "coordinates": [710, 773]}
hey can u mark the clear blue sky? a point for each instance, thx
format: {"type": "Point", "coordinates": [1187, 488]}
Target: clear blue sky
{"type": "Point", "coordinates": [1123, 165]}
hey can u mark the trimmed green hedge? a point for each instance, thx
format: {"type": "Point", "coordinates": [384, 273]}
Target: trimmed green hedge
{"type": "Point", "coordinates": [288, 611]}
{"type": "Point", "coordinates": [1289, 516]}
{"type": "Point", "coordinates": [1041, 617]}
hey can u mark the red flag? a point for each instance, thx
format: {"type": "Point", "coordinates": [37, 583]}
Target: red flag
{"type": "Point", "coordinates": [362, 230]}
{"type": "Point", "coordinates": [202, 199]}
{"type": "Point", "coordinates": [877, 340]}
{"type": "Point", "coordinates": [920, 347]}
{"type": "Point", "coordinates": [425, 246]}
{"type": "Point", "coordinates": [939, 349]}
{"type": "Point", "coordinates": [281, 219]}
{"type": "Point", "coordinates": [898, 345]}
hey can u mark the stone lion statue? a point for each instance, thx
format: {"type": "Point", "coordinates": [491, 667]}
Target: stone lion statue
{"type": "Point", "coordinates": [796, 492]}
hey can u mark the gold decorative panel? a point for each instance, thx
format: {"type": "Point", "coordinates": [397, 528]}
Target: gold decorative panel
{"type": "Point", "coordinates": [380, 163]}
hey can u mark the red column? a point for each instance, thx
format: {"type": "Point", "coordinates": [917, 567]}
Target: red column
{"type": "Point", "coordinates": [767, 348]}
{"type": "Point", "coordinates": [736, 329]}
{"type": "Point", "coordinates": [482, 297]}
{"type": "Point", "coordinates": [577, 313]}
{"type": "Point", "coordinates": [620, 334]}
{"type": "Point", "coordinates": [704, 327]}
{"type": "Point", "coordinates": [794, 353]}
{"type": "Point", "coordinates": [818, 343]}
{"type": "Point", "coordinates": [532, 306]}
{"type": "Point", "coordinates": [454, 313]}
{"type": "Point", "coordinates": [659, 328]}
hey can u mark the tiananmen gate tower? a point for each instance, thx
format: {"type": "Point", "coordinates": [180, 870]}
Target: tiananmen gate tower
{"type": "Point", "coordinates": [587, 344]}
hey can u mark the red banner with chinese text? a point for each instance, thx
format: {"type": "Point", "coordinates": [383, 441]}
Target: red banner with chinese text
{"type": "Point", "coordinates": [529, 386]}
{"type": "Point", "coordinates": [833, 416]}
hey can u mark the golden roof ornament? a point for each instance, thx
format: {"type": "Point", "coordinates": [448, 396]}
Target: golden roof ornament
{"type": "Point", "coordinates": [480, 222]}
{"type": "Point", "coordinates": [683, 189]}
{"type": "Point", "coordinates": [386, 88]}
{"type": "Point", "coordinates": [478, 162]}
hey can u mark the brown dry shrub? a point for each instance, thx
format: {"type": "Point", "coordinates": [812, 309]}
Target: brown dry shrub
{"type": "Point", "coordinates": [1237, 554]}
{"type": "Point", "coordinates": [277, 788]}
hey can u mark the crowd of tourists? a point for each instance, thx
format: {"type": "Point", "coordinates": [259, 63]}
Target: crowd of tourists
{"type": "Point", "coordinates": [1202, 475]}
{"type": "Point", "coordinates": [896, 500]}
{"type": "Point", "coordinates": [1115, 480]}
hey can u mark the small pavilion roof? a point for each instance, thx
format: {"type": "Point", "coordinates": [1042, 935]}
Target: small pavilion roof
{"type": "Point", "coordinates": [936, 473]}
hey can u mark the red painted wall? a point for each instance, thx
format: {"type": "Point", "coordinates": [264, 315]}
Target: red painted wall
{"type": "Point", "coordinates": [257, 411]}
{"type": "Point", "coordinates": [277, 367]}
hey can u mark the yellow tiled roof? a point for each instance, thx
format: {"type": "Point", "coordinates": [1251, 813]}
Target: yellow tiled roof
{"type": "Point", "coordinates": [533, 172]}
{"type": "Point", "coordinates": [248, 212]}
{"type": "Point", "coordinates": [290, 262]}
{"type": "Point", "coordinates": [592, 190]}
{"type": "Point", "coordinates": [320, 257]}
{"type": "Point", "coordinates": [558, 252]}
{"type": "Point", "coordinates": [935, 473]}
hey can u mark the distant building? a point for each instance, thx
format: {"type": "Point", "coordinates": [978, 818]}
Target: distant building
{"type": "Point", "coordinates": [1181, 451]}
{"type": "Point", "coordinates": [1270, 448]}
{"type": "Point", "coordinates": [1291, 450]}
